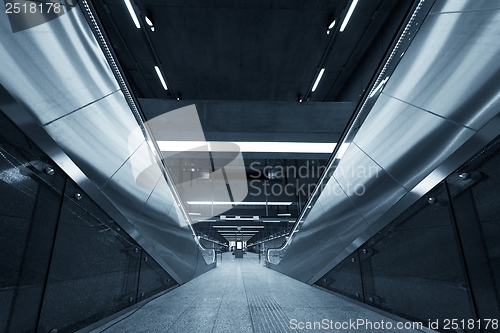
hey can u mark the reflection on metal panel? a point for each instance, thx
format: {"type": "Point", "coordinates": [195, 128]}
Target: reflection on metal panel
{"type": "Point", "coordinates": [86, 135]}
{"type": "Point", "coordinates": [452, 67]}
{"type": "Point", "coordinates": [225, 180]}
{"type": "Point", "coordinates": [442, 6]}
{"type": "Point", "coordinates": [436, 111]}
{"type": "Point", "coordinates": [59, 64]}
{"type": "Point", "coordinates": [408, 142]}
{"type": "Point", "coordinates": [122, 190]}
{"type": "Point", "coordinates": [369, 187]}
{"type": "Point", "coordinates": [58, 72]}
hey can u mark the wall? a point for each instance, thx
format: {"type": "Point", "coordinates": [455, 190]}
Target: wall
{"type": "Point", "coordinates": [65, 264]}
{"type": "Point", "coordinates": [440, 259]}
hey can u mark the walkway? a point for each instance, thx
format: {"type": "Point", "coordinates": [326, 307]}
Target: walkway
{"type": "Point", "coordinates": [241, 295]}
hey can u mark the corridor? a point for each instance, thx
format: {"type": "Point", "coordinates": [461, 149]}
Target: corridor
{"type": "Point", "coordinates": [242, 295]}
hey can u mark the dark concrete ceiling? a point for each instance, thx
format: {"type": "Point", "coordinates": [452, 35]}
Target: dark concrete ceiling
{"type": "Point", "coordinates": [251, 50]}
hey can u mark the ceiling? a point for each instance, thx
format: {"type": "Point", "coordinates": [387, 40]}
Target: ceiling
{"type": "Point", "coordinates": [247, 64]}
{"type": "Point", "coordinates": [250, 50]}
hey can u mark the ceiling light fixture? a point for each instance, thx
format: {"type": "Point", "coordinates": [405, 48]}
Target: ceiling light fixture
{"type": "Point", "coordinates": [349, 14]}
{"type": "Point", "coordinates": [243, 226]}
{"type": "Point", "coordinates": [132, 13]}
{"type": "Point", "coordinates": [237, 231]}
{"type": "Point", "coordinates": [148, 20]}
{"type": "Point", "coordinates": [342, 150]}
{"type": "Point", "coordinates": [332, 24]}
{"type": "Point", "coordinates": [160, 76]}
{"type": "Point", "coordinates": [248, 203]}
{"type": "Point", "coordinates": [318, 79]}
{"type": "Point", "coordinates": [249, 147]}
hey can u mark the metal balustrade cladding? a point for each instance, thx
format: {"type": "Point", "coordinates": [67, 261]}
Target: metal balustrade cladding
{"type": "Point", "coordinates": [66, 264]}
{"type": "Point", "coordinates": [439, 259]}
{"type": "Point", "coordinates": [411, 131]}
{"type": "Point", "coordinates": [62, 86]}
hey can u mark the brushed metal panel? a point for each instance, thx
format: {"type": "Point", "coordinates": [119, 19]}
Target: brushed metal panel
{"type": "Point", "coordinates": [408, 142]}
{"type": "Point", "coordinates": [340, 213]}
{"type": "Point", "coordinates": [370, 189]}
{"type": "Point", "coordinates": [123, 190]}
{"type": "Point", "coordinates": [311, 257]}
{"type": "Point", "coordinates": [54, 68]}
{"type": "Point", "coordinates": [181, 251]}
{"type": "Point", "coordinates": [98, 138]}
{"type": "Point", "coordinates": [155, 212]}
{"type": "Point", "coordinates": [49, 146]}
{"type": "Point", "coordinates": [463, 5]}
{"type": "Point", "coordinates": [153, 218]}
{"type": "Point", "coordinates": [452, 68]}
{"type": "Point", "coordinates": [300, 268]}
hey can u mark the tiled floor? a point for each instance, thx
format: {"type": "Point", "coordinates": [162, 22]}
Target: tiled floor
{"type": "Point", "coordinates": [241, 295]}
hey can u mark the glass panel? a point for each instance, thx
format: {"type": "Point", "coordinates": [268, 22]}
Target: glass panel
{"type": "Point", "coordinates": [345, 278]}
{"type": "Point", "coordinates": [153, 279]}
{"type": "Point", "coordinates": [475, 195]}
{"type": "Point", "coordinates": [29, 208]}
{"type": "Point", "coordinates": [93, 272]}
{"type": "Point", "coordinates": [414, 268]}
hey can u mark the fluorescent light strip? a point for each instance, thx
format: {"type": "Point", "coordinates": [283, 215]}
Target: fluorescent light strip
{"type": "Point", "coordinates": [243, 231]}
{"type": "Point", "coordinates": [247, 203]}
{"type": "Point", "coordinates": [160, 76]}
{"type": "Point", "coordinates": [331, 25]}
{"type": "Point", "coordinates": [132, 13]}
{"type": "Point", "coordinates": [243, 226]}
{"type": "Point", "coordinates": [378, 87]}
{"type": "Point", "coordinates": [348, 16]}
{"type": "Point", "coordinates": [195, 214]}
{"type": "Point", "coordinates": [240, 219]}
{"type": "Point", "coordinates": [242, 236]}
{"type": "Point", "coordinates": [318, 79]}
{"type": "Point", "coordinates": [148, 21]}
{"type": "Point", "coordinates": [249, 147]}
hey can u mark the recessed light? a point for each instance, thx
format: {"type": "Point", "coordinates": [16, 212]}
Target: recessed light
{"type": "Point", "coordinates": [349, 14]}
{"type": "Point", "coordinates": [132, 13]}
{"type": "Point", "coordinates": [318, 79]}
{"type": "Point", "coordinates": [249, 147]}
{"type": "Point", "coordinates": [248, 203]}
{"type": "Point", "coordinates": [160, 76]}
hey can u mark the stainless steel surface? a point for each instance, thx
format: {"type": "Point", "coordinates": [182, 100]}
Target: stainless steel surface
{"type": "Point", "coordinates": [372, 190]}
{"type": "Point", "coordinates": [49, 171]}
{"type": "Point", "coordinates": [442, 6]}
{"type": "Point", "coordinates": [407, 142]}
{"type": "Point", "coordinates": [101, 129]}
{"type": "Point", "coordinates": [59, 65]}
{"type": "Point", "coordinates": [451, 68]}
{"type": "Point", "coordinates": [464, 176]}
{"type": "Point", "coordinates": [91, 132]}
{"type": "Point", "coordinates": [442, 116]}
{"type": "Point", "coordinates": [122, 189]}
